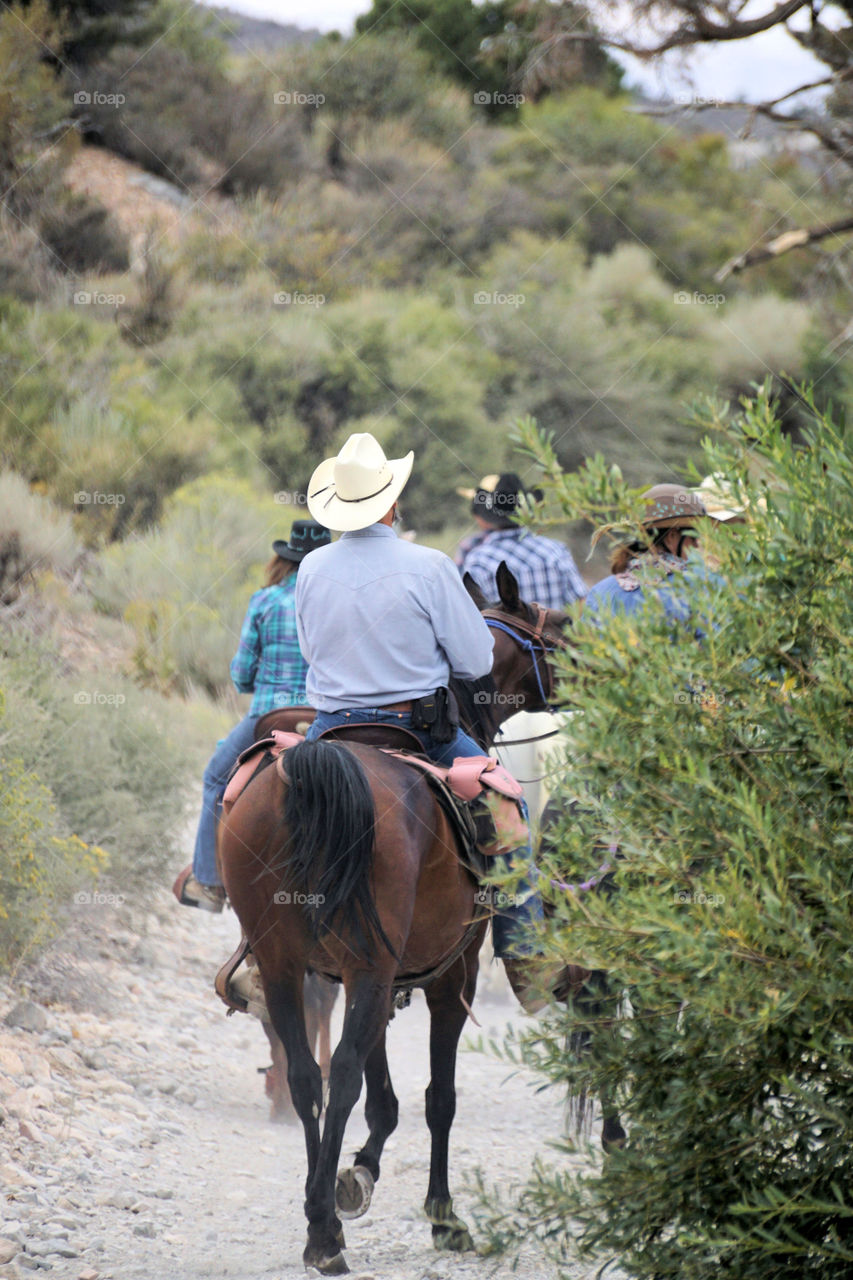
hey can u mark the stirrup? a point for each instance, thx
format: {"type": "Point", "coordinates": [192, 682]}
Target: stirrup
{"type": "Point", "coordinates": [236, 995]}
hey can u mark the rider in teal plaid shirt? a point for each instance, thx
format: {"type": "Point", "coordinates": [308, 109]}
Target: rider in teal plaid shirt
{"type": "Point", "coordinates": [268, 661]}
{"type": "Point", "coordinates": [269, 665]}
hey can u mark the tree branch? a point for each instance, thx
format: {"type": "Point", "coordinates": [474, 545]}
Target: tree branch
{"type": "Point", "coordinates": [782, 244]}
{"type": "Point", "coordinates": [698, 30]}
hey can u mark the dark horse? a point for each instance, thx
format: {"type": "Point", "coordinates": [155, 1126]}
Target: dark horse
{"type": "Point", "coordinates": [350, 868]}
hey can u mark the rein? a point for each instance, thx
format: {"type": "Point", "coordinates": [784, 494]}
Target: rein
{"type": "Point", "coordinates": [530, 638]}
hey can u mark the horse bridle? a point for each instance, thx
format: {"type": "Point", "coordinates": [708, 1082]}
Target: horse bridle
{"type": "Point", "coordinates": [530, 636]}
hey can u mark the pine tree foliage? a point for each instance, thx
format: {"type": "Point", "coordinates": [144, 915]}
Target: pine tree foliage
{"type": "Point", "coordinates": [720, 769]}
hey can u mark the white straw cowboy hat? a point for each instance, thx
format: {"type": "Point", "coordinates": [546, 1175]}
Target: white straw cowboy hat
{"type": "Point", "coordinates": [720, 503]}
{"type": "Point", "coordinates": [359, 486]}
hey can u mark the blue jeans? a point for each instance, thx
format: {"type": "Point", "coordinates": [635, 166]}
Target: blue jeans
{"type": "Point", "coordinates": [216, 775]}
{"type": "Point", "coordinates": [507, 921]}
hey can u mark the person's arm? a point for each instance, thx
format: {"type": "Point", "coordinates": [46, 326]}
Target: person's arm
{"type": "Point", "coordinates": [244, 664]}
{"type": "Point", "coordinates": [459, 626]}
{"type": "Point", "coordinates": [301, 635]}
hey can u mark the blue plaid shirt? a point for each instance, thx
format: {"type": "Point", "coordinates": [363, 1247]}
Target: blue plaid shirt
{"type": "Point", "coordinates": [545, 569]}
{"type": "Point", "coordinates": [268, 661]}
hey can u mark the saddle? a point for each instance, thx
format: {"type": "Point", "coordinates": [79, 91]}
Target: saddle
{"type": "Point", "coordinates": [483, 826]}
{"type": "Point", "coordinates": [481, 830]}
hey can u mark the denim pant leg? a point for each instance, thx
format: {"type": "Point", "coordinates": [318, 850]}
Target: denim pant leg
{"type": "Point", "coordinates": [446, 752]}
{"type": "Point", "coordinates": [508, 922]}
{"type": "Point", "coordinates": [219, 766]}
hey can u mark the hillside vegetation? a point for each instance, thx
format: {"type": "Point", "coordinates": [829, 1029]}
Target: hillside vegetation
{"type": "Point", "coordinates": [357, 241]}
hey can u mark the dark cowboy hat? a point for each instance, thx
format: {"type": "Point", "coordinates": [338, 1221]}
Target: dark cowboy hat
{"type": "Point", "coordinates": [305, 536]}
{"type": "Point", "coordinates": [500, 506]}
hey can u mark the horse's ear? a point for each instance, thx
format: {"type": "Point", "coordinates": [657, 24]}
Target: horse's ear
{"type": "Point", "coordinates": [474, 592]}
{"type": "Point", "coordinates": [508, 588]}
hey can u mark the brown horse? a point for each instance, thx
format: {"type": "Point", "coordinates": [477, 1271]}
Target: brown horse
{"type": "Point", "coordinates": [350, 868]}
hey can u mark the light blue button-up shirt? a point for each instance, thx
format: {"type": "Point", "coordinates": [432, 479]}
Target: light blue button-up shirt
{"type": "Point", "coordinates": [382, 620]}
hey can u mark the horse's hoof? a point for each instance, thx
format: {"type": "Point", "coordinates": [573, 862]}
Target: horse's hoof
{"type": "Point", "coordinates": [448, 1231]}
{"type": "Point", "coordinates": [457, 1238]}
{"type": "Point", "coordinates": [354, 1191]}
{"type": "Point", "coordinates": [613, 1136]}
{"type": "Point", "coordinates": [333, 1266]}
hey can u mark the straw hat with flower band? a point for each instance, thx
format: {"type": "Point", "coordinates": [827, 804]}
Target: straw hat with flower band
{"type": "Point", "coordinates": [359, 486]}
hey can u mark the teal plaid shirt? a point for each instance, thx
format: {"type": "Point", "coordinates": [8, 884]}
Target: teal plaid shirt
{"type": "Point", "coordinates": [268, 661]}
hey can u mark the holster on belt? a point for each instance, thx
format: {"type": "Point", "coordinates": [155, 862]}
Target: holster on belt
{"type": "Point", "coordinates": [437, 714]}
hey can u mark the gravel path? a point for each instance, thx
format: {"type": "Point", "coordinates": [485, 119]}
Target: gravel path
{"type": "Point", "coordinates": [135, 1142]}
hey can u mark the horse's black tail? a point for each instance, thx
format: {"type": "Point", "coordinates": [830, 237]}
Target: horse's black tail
{"type": "Point", "coordinates": [329, 813]}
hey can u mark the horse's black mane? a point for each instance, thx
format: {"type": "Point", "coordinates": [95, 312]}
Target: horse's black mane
{"type": "Point", "coordinates": [476, 700]}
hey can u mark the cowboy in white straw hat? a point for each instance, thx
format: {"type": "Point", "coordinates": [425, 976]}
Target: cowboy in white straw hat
{"type": "Point", "coordinates": [384, 623]}
{"type": "Point", "coordinates": [410, 622]}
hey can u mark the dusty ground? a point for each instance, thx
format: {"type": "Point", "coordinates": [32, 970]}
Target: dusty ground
{"type": "Point", "coordinates": [136, 1145]}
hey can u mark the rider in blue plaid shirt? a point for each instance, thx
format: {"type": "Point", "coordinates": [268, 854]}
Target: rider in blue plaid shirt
{"type": "Point", "coordinates": [545, 569]}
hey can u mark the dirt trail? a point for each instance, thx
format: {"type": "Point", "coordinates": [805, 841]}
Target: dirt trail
{"type": "Point", "coordinates": [136, 1144]}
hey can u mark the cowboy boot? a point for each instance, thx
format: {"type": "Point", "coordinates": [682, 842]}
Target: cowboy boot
{"type": "Point", "coordinates": [190, 893]}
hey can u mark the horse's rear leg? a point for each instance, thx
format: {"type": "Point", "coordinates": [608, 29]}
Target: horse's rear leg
{"type": "Point", "coordinates": [320, 997]}
{"type": "Point", "coordinates": [287, 1013]}
{"type": "Point", "coordinates": [278, 1092]}
{"type": "Point", "coordinates": [368, 1005]}
{"type": "Point", "coordinates": [354, 1187]}
{"type": "Point", "coordinates": [447, 1018]}
{"type": "Point", "coordinates": [324, 1051]}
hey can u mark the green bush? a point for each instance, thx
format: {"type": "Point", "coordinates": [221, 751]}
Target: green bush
{"type": "Point", "coordinates": [606, 355]}
{"type": "Point", "coordinates": [41, 864]}
{"type": "Point", "coordinates": [83, 236]}
{"type": "Point", "coordinates": [112, 757]}
{"type": "Point", "coordinates": [164, 111]}
{"type": "Point", "coordinates": [722, 770]}
{"type": "Point", "coordinates": [184, 587]}
{"type": "Point", "coordinates": [34, 536]}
